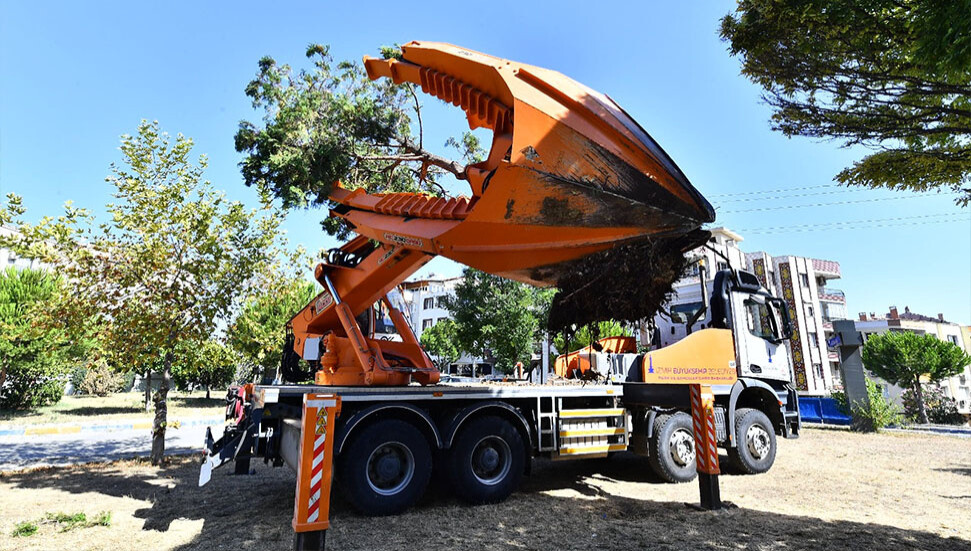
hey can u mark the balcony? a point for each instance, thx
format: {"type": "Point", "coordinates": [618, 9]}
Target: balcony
{"type": "Point", "coordinates": [832, 295]}
{"type": "Point", "coordinates": [826, 268]}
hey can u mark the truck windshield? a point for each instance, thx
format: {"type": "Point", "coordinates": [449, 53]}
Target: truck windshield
{"type": "Point", "coordinates": [761, 320]}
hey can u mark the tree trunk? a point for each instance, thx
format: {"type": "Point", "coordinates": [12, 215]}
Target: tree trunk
{"type": "Point", "coordinates": [921, 408]}
{"type": "Point", "coordinates": [207, 392]}
{"type": "Point", "coordinates": [3, 375]}
{"type": "Point", "coordinates": [148, 389]}
{"type": "Point", "coordinates": [161, 413]}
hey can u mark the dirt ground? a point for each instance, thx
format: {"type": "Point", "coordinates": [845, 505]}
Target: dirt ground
{"type": "Point", "coordinates": [828, 490]}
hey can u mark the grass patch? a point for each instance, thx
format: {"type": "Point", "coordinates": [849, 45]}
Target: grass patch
{"type": "Point", "coordinates": [123, 406]}
{"type": "Point", "coordinates": [25, 529]}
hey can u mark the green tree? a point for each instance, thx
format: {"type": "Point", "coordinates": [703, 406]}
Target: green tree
{"type": "Point", "coordinates": [333, 124]}
{"type": "Point", "coordinates": [171, 265]}
{"type": "Point", "coordinates": [494, 314]}
{"type": "Point", "coordinates": [441, 342]}
{"type": "Point", "coordinates": [35, 355]}
{"type": "Point", "coordinates": [208, 363]}
{"type": "Point", "coordinates": [258, 333]}
{"type": "Point", "coordinates": [893, 75]}
{"type": "Point", "coordinates": [584, 336]}
{"type": "Point", "coordinates": [904, 358]}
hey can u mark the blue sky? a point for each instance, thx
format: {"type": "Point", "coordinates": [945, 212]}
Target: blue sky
{"type": "Point", "coordinates": [75, 76]}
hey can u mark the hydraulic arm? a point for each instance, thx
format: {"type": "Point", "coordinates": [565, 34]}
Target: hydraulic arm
{"type": "Point", "coordinates": [569, 177]}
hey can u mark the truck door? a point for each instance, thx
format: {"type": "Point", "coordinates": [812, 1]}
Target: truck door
{"type": "Point", "coordinates": [760, 328]}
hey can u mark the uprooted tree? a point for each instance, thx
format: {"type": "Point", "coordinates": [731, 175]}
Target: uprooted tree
{"type": "Point", "coordinates": [892, 75]}
{"type": "Point", "coordinates": [173, 261]}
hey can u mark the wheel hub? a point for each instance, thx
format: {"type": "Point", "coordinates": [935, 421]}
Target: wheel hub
{"type": "Point", "coordinates": [390, 468]}
{"type": "Point", "coordinates": [757, 440]}
{"type": "Point", "coordinates": [682, 447]}
{"type": "Point", "coordinates": [491, 460]}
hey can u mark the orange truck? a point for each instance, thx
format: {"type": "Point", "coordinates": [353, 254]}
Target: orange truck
{"type": "Point", "coordinates": [570, 177]}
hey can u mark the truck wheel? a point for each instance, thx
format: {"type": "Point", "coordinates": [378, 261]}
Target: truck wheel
{"type": "Point", "coordinates": [755, 439]}
{"type": "Point", "coordinates": [672, 454]}
{"type": "Point", "coordinates": [386, 468]}
{"type": "Point", "coordinates": [486, 461]}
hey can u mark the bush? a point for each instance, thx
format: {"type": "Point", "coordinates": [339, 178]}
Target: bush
{"type": "Point", "coordinates": [879, 412]}
{"type": "Point", "coordinates": [77, 378]}
{"type": "Point", "coordinates": [101, 380]}
{"type": "Point", "coordinates": [26, 392]}
{"type": "Point", "coordinates": [940, 408]}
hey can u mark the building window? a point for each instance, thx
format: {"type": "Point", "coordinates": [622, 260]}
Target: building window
{"type": "Point", "coordinates": [425, 324]}
{"type": "Point", "coordinates": [440, 320]}
{"type": "Point", "coordinates": [804, 279]}
{"type": "Point", "coordinates": [809, 310]}
{"type": "Point", "coordinates": [818, 370]}
{"type": "Point", "coordinates": [953, 339]}
{"type": "Point", "coordinates": [813, 340]}
{"type": "Point", "coordinates": [429, 303]}
{"type": "Point", "coordinates": [722, 265]}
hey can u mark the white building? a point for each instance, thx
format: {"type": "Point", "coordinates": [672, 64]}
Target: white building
{"type": "Point", "coordinates": [423, 308]}
{"type": "Point", "coordinates": [957, 387]}
{"type": "Point", "coordinates": [423, 300]}
{"type": "Point", "coordinates": [800, 281]}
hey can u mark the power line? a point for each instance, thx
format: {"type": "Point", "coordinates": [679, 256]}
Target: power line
{"type": "Point", "coordinates": [774, 197]}
{"type": "Point", "coordinates": [834, 203]}
{"type": "Point", "coordinates": [863, 224]}
{"type": "Point", "coordinates": [867, 220]}
{"type": "Point", "coordinates": [780, 190]}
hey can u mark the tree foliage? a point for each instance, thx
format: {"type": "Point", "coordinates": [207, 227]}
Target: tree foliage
{"type": "Point", "coordinates": [35, 355]}
{"type": "Point", "coordinates": [893, 75]}
{"type": "Point", "coordinates": [441, 343]}
{"type": "Point", "coordinates": [333, 124]}
{"type": "Point", "coordinates": [905, 358]}
{"type": "Point", "coordinates": [209, 363]}
{"type": "Point", "coordinates": [258, 333]}
{"type": "Point", "coordinates": [497, 315]}
{"type": "Point", "coordinates": [171, 265]}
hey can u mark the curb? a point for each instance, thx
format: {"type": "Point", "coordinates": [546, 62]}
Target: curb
{"type": "Point", "coordinates": [42, 430]}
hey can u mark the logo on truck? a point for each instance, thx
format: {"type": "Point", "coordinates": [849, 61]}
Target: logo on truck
{"type": "Point", "coordinates": [323, 301]}
{"type": "Point", "coordinates": [403, 240]}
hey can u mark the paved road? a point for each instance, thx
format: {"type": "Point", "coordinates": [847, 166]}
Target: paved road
{"type": "Point", "coordinates": [20, 452]}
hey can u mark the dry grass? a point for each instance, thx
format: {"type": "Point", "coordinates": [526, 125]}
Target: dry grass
{"type": "Point", "coordinates": [828, 490]}
{"type": "Point", "coordinates": [123, 406]}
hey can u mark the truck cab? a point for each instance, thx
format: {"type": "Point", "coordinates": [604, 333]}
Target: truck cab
{"type": "Point", "coordinates": [752, 328]}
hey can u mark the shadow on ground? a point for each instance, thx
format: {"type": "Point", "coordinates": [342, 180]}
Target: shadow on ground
{"type": "Point", "coordinates": [254, 512]}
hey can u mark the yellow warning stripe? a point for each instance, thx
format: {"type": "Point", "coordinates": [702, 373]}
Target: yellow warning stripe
{"type": "Point", "coordinates": [52, 430]}
{"type": "Point", "coordinates": [591, 412]}
{"type": "Point", "coordinates": [593, 449]}
{"type": "Point", "coordinates": [592, 432]}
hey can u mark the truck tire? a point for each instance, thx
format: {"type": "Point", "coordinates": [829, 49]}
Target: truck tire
{"type": "Point", "coordinates": [486, 461]}
{"type": "Point", "coordinates": [385, 468]}
{"type": "Point", "coordinates": [672, 453]}
{"type": "Point", "coordinates": [756, 443]}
